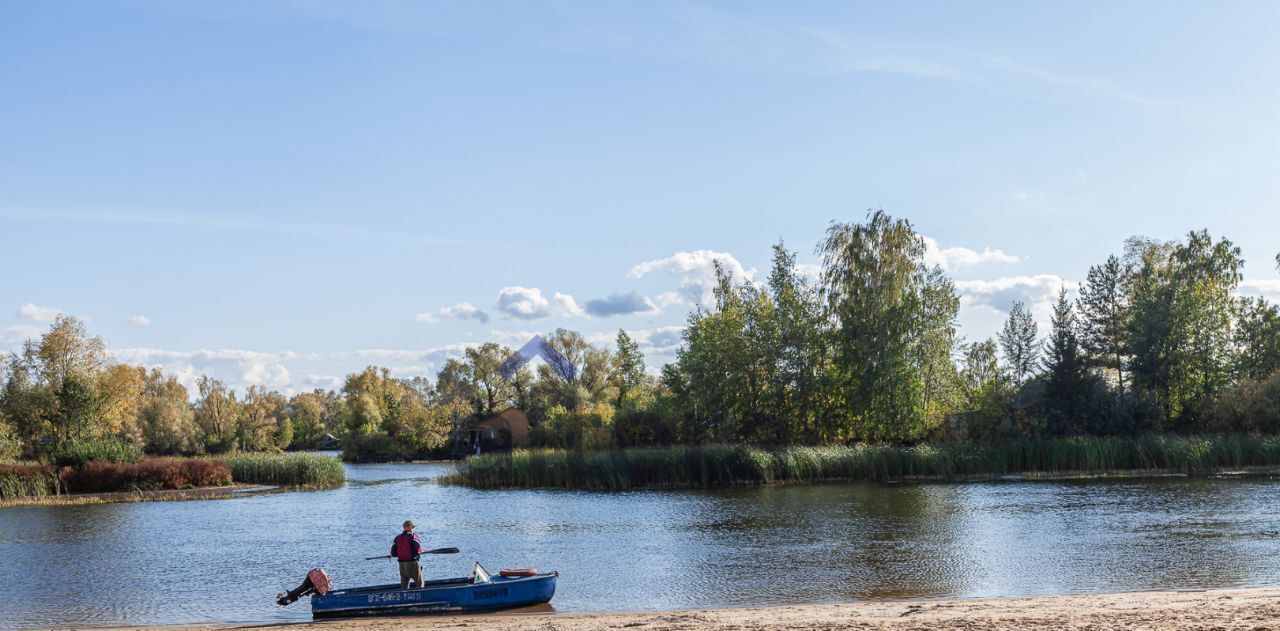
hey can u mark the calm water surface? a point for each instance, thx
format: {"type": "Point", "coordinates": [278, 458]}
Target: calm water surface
{"type": "Point", "coordinates": [224, 560]}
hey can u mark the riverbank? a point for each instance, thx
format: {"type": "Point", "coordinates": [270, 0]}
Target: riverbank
{"type": "Point", "coordinates": [1215, 609]}
{"type": "Point", "coordinates": [738, 465]}
{"type": "Point", "coordinates": [157, 495]}
{"type": "Point", "coordinates": [164, 479]}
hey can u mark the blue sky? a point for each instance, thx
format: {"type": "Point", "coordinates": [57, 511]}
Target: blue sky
{"type": "Point", "coordinates": [285, 192]}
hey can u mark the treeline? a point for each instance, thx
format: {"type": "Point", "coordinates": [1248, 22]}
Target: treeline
{"type": "Point", "coordinates": [1157, 341]}
{"type": "Point", "coordinates": [64, 401]}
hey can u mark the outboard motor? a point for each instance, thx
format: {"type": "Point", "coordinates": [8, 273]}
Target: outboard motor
{"type": "Point", "coordinates": [317, 581]}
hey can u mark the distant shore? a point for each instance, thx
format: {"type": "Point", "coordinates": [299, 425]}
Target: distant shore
{"type": "Point", "coordinates": [1158, 610]}
{"type": "Point", "coordinates": [157, 495]}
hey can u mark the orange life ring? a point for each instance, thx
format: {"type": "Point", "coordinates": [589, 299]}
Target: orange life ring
{"type": "Point", "coordinates": [517, 572]}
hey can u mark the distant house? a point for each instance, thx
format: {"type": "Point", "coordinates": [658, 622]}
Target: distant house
{"type": "Point", "coordinates": [500, 432]}
{"type": "Point", "coordinates": [329, 441]}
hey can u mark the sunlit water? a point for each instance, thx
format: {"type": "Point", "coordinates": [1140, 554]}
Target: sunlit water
{"type": "Point", "coordinates": [224, 560]}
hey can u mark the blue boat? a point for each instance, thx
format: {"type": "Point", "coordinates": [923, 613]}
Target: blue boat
{"type": "Point", "coordinates": [473, 594]}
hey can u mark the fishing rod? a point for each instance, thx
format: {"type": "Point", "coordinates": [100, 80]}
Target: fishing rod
{"type": "Point", "coordinates": [435, 551]}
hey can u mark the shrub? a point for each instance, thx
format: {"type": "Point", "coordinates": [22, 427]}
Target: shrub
{"type": "Point", "coordinates": [73, 453]}
{"type": "Point", "coordinates": [98, 476]}
{"type": "Point", "coordinates": [374, 447]}
{"type": "Point", "coordinates": [28, 481]}
{"type": "Point", "coordinates": [294, 469]}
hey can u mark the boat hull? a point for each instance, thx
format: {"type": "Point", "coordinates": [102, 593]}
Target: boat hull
{"type": "Point", "coordinates": [449, 596]}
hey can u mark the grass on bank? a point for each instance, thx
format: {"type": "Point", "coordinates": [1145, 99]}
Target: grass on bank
{"type": "Point", "coordinates": [728, 465]}
{"type": "Point", "coordinates": [288, 469]}
{"type": "Point", "coordinates": [35, 481]}
{"type": "Point", "coordinates": [28, 481]}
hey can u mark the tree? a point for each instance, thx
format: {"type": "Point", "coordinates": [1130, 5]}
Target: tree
{"type": "Point", "coordinates": [121, 390]}
{"type": "Point", "coordinates": [1019, 343]}
{"type": "Point", "coordinates": [168, 422]}
{"type": "Point", "coordinates": [1104, 313]}
{"type": "Point", "coordinates": [263, 420]}
{"type": "Point", "coordinates": [1257, 339]}
{"type": "Point", "coordinates": [799, 351]}
{"type": "Point", "coordinates": [628, 373]}
{"type": "Point", "coordinates": [217, 411]}
{"type": "Point", "coordinates": [1181, 326]}
{"type": "Point", "coordinates": [492, 391]}
{"type": "Point", "coordinates": [57, 376]}
{"type": "Point", "coordinates": [873, 278]}
{"type": "Point", "coordinates": [1066, 380]}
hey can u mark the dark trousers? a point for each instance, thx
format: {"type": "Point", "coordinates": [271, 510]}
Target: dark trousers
{"type": "Point", "coordinates": [410, 571]}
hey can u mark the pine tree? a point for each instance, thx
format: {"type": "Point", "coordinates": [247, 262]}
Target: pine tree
{"type": "Point", "coordinates": [1066, 384]}
{"type": "Point", "coordinates": [1104, 309]}
{"type": "Point", "coordinates": [1018, 342]}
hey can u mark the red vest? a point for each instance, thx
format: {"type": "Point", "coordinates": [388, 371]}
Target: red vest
{"type": "Point", "coordinates": [406, 547]}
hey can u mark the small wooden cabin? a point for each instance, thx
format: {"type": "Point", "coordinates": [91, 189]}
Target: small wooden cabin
{"type": "Point", "coordinates": [500, 432]}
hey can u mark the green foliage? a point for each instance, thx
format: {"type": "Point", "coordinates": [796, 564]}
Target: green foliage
{"type": "Point", "coordinates": [291, 469]}
{"type": "Point", "coordinates": [1067, 385]}
{"type": "Point", "coordinates": [28, 482]}
{"type": "Point", "coordinates": [724, 465]}
{"type": "Point", "coordinates": [1020, 343]}
{"type": "Point", "coordinates": [391, 418]}
{"type": "Point", "coordinates": [1180, 328]}
{"type": "Point", "coordinates": [74, 453]}
{"type": "Point", "coordinates": [587, 428]}
{"type": "Point", "coordinates": [893, 321]}
{"type": "Point", "coordinates": [1104, 319]}
{"type": "Point", "coordinates": [1257, 338]}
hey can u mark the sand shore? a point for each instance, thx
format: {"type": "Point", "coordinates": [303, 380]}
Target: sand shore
{"type": "Point", "coordinates": [1251, 609]}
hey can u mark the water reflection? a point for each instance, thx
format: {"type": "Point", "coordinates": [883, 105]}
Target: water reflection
{"type": "Point", "coordinates": [223, 560]}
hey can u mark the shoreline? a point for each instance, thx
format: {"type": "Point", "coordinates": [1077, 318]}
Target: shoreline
{"type": "Point", "coordinates": [1248, 608]}
{"type": "Point", "coordinates": [128, 497]}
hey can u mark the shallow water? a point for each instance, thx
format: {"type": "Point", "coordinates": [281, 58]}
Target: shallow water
{"type": "Point", "coordinates": [224, 560]}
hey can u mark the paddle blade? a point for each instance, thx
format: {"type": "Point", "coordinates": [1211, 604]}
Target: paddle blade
{"type": "Point", "coordinates": [441, 551]}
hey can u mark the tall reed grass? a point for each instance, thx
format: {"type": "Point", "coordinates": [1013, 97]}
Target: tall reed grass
{"type": "Point", "coordinates": [289, 469]}
{"type": "Point", "coordinates": [28, 481]}
{"type": "Point", "coordinates": [727, 465]}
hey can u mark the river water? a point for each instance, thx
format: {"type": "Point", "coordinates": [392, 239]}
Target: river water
{"type": "Point", "coordinates": [224, 560]}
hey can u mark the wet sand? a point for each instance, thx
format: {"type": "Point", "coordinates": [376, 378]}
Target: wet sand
{"type": "Point", "coordinates": [1251, 609]}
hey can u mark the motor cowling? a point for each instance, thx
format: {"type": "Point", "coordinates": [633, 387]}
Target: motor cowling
{"type": "Point", "coordinates": [317, 581]}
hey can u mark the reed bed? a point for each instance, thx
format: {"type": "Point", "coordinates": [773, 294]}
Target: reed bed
{"type": "Point", "coordinates": [290, 469]}
{"type": "Point", "coordinates": [151, 474]}
{"type": "Point", "coordinates": [21, 482]}
{"type": "Point", "coordinates": [729, 465]}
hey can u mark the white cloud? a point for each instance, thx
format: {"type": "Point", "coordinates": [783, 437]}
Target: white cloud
{"type": "Point", "coordinates": [666, 299]}
{"type": "Point", "coordinates": [660, 341]}
{"type": "Point", "coordinates": [568, 305]}
{"type": "Point", "coordinates": [139, 320]}
{"type": "Point", "coordinates": [460, 311]}
{"type": "Point", "coordinates": [324, 382]}
{"type": "Point", "coordinates": [238, 368]}
{"type": "Point", "coordinates": [523, 303]}
{"type": "Point", "coordinates": [1266, 287]}
{"type": "Point", "coordinates": [38, 313]}
{"type": "Point", "coordinates": [514, 339]}
{"type": "Point", "coordinates": [811, 272]}
{"type": "Point", "coordinates": [12, 337]}
{"type": "Point", "coordinates": [696, 272]}
{"type": "Point", "coordinates": [955, 258]}
{"type": "Point", "coordinates": [997, 296]}
{"type": "Point", "coordinates": [620, 304]}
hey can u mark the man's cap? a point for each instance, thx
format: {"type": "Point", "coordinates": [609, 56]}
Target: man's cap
{"type": "Point", "coordinates": [408, 525]}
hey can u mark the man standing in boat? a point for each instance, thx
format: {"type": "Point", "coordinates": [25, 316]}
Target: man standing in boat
{"type": "Point", "coordinates": [406, 548]}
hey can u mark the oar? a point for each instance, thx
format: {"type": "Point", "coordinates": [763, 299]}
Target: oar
{"type": "Point", "coordinates": [435, 551]}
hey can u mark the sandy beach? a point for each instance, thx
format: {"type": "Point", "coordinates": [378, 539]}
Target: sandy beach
{"type": "Point", "coordinates": [1216, 609]}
